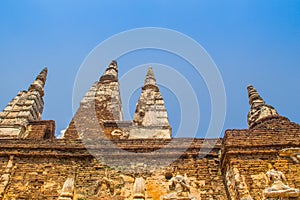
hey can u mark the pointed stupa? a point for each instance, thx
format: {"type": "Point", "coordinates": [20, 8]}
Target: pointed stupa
{"type": "Point", "coordinates": [151, 112]}
{"type": "Point", "coordinates": [102, 103]}
{"type": "Point", "coordinates": [108, 94]}
{"type": "Point", "coordinates": [26, 107]}
{"type": "Point", "coordinates": [259, 109]}
{"type": "Point", "coordinates": [105, 95]}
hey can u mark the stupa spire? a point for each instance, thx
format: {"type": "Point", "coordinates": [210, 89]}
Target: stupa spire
{"type": "Point", "coordinates": [111, 72]}
{"type": "Point", "coordinates": [150, 78]}
{"type": "Point", "coordinates": [259, 109]}
{"type": "Point", "coordinates": [102, 103]}
{"type": "Point", "coordinates": [26, 107]}
{"type": "Point", "coordinates": [151, 115]}
{"type": "Point", "coordinates": [39, 83]}
{"type": "Point", "coordinates": [255, 99]}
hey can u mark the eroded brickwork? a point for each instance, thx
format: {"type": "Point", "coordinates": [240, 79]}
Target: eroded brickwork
{"type": "Point", "coordinates": [40, 169]}
{"type": "Point", "coordinates": [273, 144]}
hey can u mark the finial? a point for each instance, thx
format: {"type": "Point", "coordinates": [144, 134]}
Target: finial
{"type": "Point", "coordinates": [113, 64]}
{"type": "Point", "coordinates": [43, 75]}
{"type": "Point", "coordinates": [150, 79]}
{"type": "Point", "coordinates": [259, 109]}
{"type": "Point", "coordinates": [255, 99]}
{"type": "Point", "coordinates": [111, 72]}
{"type": "Point", "coordinates": [39, 82]}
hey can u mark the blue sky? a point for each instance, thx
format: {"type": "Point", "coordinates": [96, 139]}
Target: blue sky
{"type": "Point", "coordinates": [252, 42]}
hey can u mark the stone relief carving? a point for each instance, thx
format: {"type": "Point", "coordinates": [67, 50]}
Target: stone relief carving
{"type": "Point", "coordinates": [106, 185]}
{"type": "Point", "coordinates": [181, 181]}
{"type": "Point", "coordinates": [179, 189]}
{"type": "Point", "coordinates": [139, 188]}
{"type": "Point", "coordinates": [109, 186]}
{"type": "Point", "coordinates": [259, 181]}
{"type": "Point", "coordinates": [236, 185]}
{"type": "Point", "coordinates": [277, 188]}
{"type": "Point", "coordinates": [67, 190]}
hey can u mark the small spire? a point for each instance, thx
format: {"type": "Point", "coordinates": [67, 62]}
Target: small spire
{"type": "Point", "coordinates": [259, 109]}
{"type": "Point", "coordinates": [255, 99]}
{"type": "Point", "coordinates": [150, 79]}
{"type": "Point", "coordinates": [151, 112]}
{"type": "Point", "coordinates": [39, 82]}
{"type": "Point", "coordinates": [43, 75]}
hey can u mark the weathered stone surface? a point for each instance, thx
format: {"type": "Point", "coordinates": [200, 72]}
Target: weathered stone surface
{"type": "Point", "coordinates": [140, 132]}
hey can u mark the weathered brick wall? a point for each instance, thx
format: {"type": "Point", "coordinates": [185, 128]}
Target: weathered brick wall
{"type": "Point", "coordinates": [231, 168]}
{"type": "Point", "coordinates": [40, 168]}
{"type": "Point", "coordinates": [247, 155]}
{"type": "Point", "coordinates": [44, 129]}
{"type": "Point", "coordinates": [253, 169]}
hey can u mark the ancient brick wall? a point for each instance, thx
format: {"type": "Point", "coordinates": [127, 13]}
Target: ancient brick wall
{"type": "Point", "coordinates": [248, 155]}
{"type": "Point", "coordinates": [41, 167]}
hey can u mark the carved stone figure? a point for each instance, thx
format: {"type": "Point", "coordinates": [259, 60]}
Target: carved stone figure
{"type": "Point", "coordinates": [181, 181]}
{"type": "Point", "coordinates": [67, 190]}
{"type": "Point", "coordinates": [236, 184]}
{"type": "Point", "coordinates": [179, 189]}
{"type": "Point", "coordinates": [278, 188]}
{"type": "Point", "coordinates": [139, 188]}
{"type": "Point", "coordinates": [107, 185]}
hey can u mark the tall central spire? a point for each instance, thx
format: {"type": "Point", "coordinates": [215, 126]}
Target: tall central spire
{"type": "Point", "coordinates": [102, 100]}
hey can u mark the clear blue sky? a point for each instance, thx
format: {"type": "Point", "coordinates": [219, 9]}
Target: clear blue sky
{"type": "Point", "coordinates": [252, 42]}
